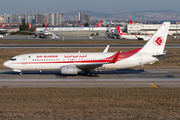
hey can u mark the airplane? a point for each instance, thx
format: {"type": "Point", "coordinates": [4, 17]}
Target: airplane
{"type": "Point", "coordinates": [1, 36]}
{"type": "Point", "coordinates": [3, 26]}
{"type": "Point", "coordinates": [120, 34]}
{"type": "Point", "coordinates": [72, 63]}
{"type": "Point", "coordinates": [45, 33]}
{"type": "Point", "coordinates": [98, 25]}
{"type": "Point", "coordinates": [79, 23]}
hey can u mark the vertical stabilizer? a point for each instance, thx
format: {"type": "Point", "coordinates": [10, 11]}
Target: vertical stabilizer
{"type": "Point", "coordinates": [3, 26]}
{"type": "Point", "coordinates": [99, 24]}
{"type": "Point", "coordinates": [79, 23]}
{"type": "Point", "coordinates": [46, 23]}
{"type": "Point", "coordinates": [120, 32]}
{"type": "Point", "coordinates": [157, 42]}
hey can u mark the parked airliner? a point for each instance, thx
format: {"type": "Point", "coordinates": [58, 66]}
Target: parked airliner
{"type": "Point", "coordinates": [46, 33]}
{"type": "Point", "coordinates": [98, 25]}
{"type": "Point", "coordinates": [120, 34]}
{"type": "Point", "coordinates": [2, 28]}
{"type": "Point", "coordinates": [72, 63]}
{"type": "Point", "coordinates": [1, 36]}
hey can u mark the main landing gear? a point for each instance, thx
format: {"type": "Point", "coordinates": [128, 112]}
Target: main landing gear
{"type": "Point", "coordinates": [88, 73]}
{"type": "Point", "coordinates": [20, 73]}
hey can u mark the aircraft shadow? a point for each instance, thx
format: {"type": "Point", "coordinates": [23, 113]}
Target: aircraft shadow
{"type": "Point", "coordinates": [94, 73]}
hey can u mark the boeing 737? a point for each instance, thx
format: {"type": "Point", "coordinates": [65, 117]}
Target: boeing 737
{"type": "Point", "coordinates": [72, 63]}
{"type": "Point", "coordinates": [46, 33]}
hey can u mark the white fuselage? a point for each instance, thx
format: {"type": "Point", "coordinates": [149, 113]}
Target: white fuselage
{"type": "Point", "coordinates": [1, 36]}
{"type": "Point", "coordinates": [45, 32]}
{"type": "Point", "coordinates": [128, 37]}
{"type": "Point", "coordinates": [54, 61]}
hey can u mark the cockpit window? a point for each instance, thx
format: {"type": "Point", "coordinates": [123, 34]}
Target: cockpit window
{"type": "Point", "coordinates": [13, 59]}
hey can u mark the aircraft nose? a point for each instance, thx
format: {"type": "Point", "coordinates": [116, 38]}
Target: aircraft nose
{"type": "Point", "coordinates": [6, 63]}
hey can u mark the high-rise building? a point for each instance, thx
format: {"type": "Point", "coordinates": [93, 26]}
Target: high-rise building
{"type": "Point", "coordinates": [81, 16]}
{"type": "Point", "coordinates": [1, 19]}
{"type": "Point", "coordinates": [46, 17]}
{"type": "Point", "coordinates": [14, 18]}
{"type": "Point", "coordinates": [26, 18]}
{"type": "Point", "coordinates": [51, 19]}
{"type": "Point", "coordinates": [5, 18]}
{"type": "Point", "coordinates": [30, 18]}
{"type": "Point", "coordinates": [60, 19]}
{"type": "Point", "coordinates": [87, 18]}
{"type": "Point", "coordinates": [39, 18]}
{"type": "Point", "coordinates": [57, 19]}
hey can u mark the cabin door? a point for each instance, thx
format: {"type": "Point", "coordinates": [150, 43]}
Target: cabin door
{"type": "Point", "coordinates": [24, 60]}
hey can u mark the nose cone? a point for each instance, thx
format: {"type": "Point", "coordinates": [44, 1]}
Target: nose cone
{"type": "Point", "coordinates": [6, 63]}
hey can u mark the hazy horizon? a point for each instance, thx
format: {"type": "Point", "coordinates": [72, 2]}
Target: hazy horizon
{"type": "Point", "coordinates": [100, 6]}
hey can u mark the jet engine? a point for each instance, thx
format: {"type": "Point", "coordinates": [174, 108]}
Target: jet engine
{"type": "Point", "coordinates": [69, 70]}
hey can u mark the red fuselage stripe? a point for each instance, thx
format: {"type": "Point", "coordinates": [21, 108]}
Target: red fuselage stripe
{"type": "Point", "coordinates": [121, 56]}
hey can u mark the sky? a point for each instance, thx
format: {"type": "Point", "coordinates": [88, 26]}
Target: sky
{"type": "Point", "coordinates": [101, 6]}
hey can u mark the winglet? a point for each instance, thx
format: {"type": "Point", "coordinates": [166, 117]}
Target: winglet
{"type": "Point", "coordinates": [115, 58]}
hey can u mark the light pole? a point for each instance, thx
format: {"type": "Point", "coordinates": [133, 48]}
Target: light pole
{"type": "Point", "coordinates": [176, 26]}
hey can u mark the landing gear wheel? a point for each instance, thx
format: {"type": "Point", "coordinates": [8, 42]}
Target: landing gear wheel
{"type": "Point", "coordinates": [20, 73]}
{"type": "Point", "coordinates": [88, 73]}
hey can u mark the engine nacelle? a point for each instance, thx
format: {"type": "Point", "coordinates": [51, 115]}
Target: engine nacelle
{"type": "Point", "coordinates": [69, 70]}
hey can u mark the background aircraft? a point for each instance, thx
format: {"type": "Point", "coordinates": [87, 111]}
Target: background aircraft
{"type": "Point", "coordinates": [98, 25]}
{"type": "Point", "coordinates": [72, 63]}
{"type": "Point", "coordinates": [45, 33]}
{"type": "Point", "coordinates": [120, 34]}
{"type": "Point", "coordinates": [1, 36]}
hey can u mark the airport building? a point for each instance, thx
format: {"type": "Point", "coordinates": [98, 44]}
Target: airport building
{"type": "Point", "coordinates": [151, 28]}
{"type": "Point", "coordinates": [75, 31]}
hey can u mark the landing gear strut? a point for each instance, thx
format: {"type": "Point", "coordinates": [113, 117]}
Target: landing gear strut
{"type": "Point", "coordinates": [88, 73]}
{"type": "Point", "coordinates": [20, 73]}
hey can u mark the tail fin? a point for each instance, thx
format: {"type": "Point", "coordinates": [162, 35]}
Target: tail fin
{"type": "Point", "coordinates": [120, 32]}
{"type": "Point", "coordinates": [79, 23]}
{"type": "Point", "coordinates": [46, 23]}
{"type": "Point", "coordinates": [130, 22]}
{"type": "Point", "coordinates": [99, 24]}
{"type": "Point", "coordinates": [30, 25]}
{"type": "Point", "coordinates": [3, 26]}
{"type": "Point", "coordinates": [157, 42]}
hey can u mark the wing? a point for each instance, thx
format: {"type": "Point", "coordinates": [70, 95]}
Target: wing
{"type": "Point", "coordinates": [91, 66]}
{"type": "Point", "coordinates": [54, 35]}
